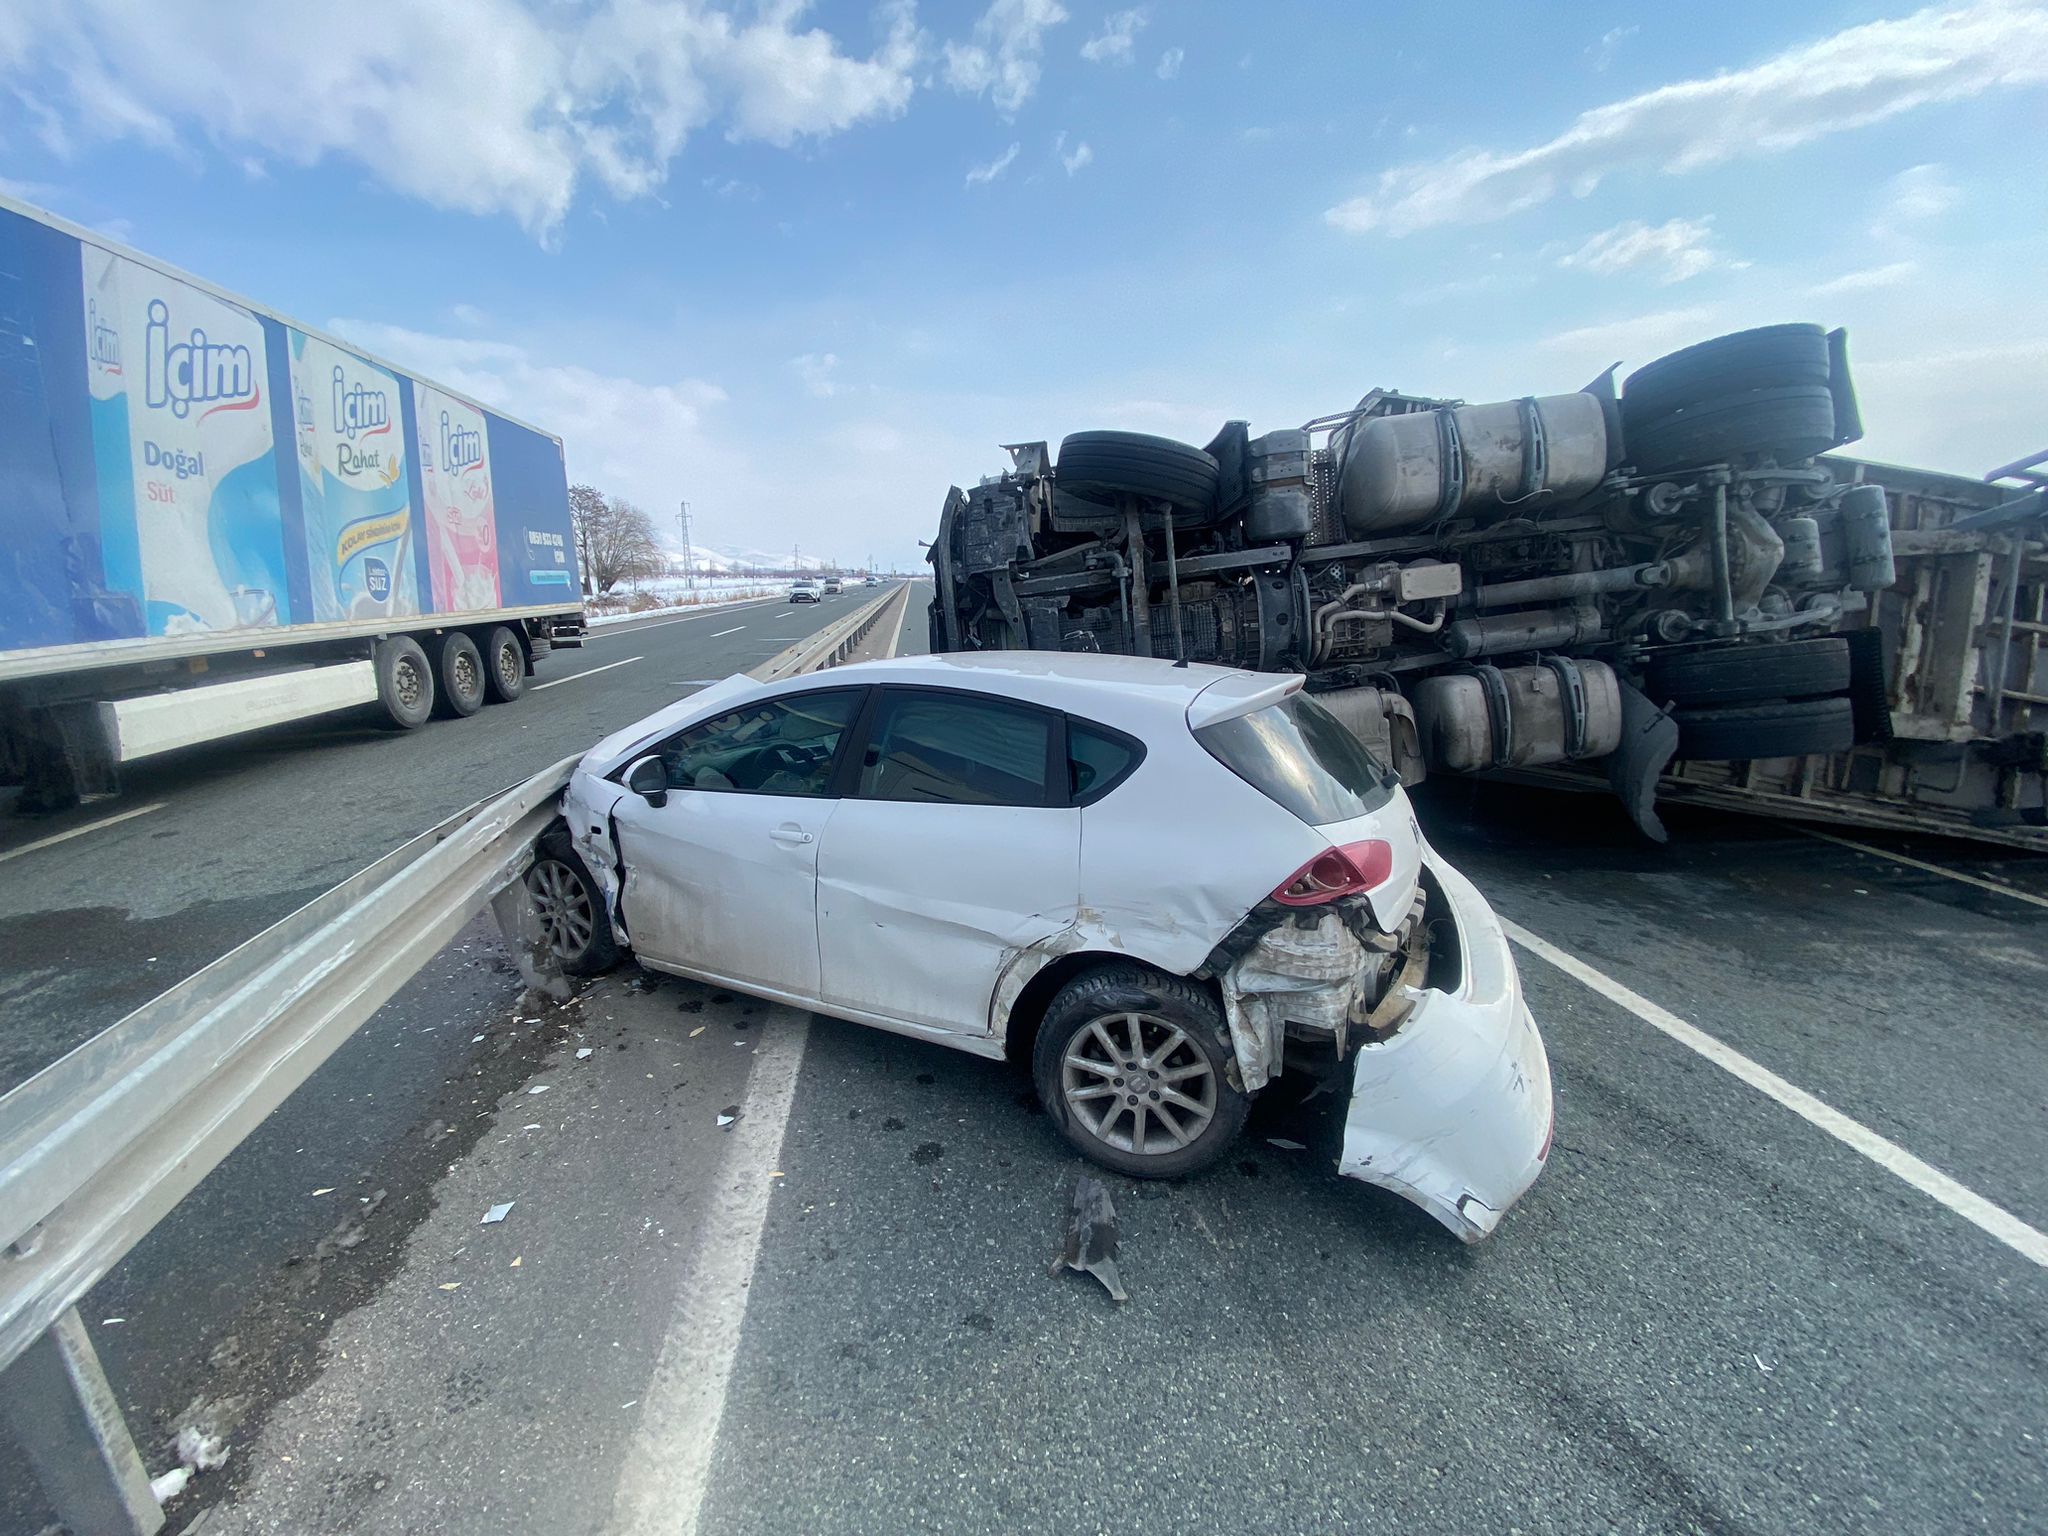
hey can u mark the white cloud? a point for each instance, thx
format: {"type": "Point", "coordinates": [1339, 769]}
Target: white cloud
{"type": "Point", "coordinates": [1170, 62]}
{"type": "Point", "coordinates": [1602, 53]}
{"type": "Point", "coordinates": [1002, 54]}
{"type": "Point", "coordinates": [982, 175]}
{"type": "Point", "coordinates": [1677, 249]}
{"type": "Point", "coordinates": [729, 188]}
{"type": "Point", "coordinates": [1076, 159]}
{"type": "Point", "coordinates": [1862, 75]}
{"type": "Point", "coordinates": [1888, 276]}
{"type": "Point", "coordinates": [1638, 338]}
{"type": "Point", "coordinates": [542, 97]}
{"type": "Point", "coordinates": [1920, 192]}
{"type": "Point", "coordinates": [818, 372]}
{"type": "Point", "coordinates": [1113, 44]}
{"type": "Point", "coordinates": [641, 440]}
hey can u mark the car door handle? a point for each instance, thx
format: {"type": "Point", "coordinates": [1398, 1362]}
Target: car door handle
{"type": "Point", "coordinates": [796, 836]}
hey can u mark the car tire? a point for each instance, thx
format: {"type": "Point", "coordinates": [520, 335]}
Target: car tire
{"type": "Point", "coordinates": [1786, 424]}
{"type": "Point", "coordinates": [1768, 357]}
{"type": "Point", "coordinates": [574, 924]}
{"type": "Point", "coordinates": [1743, 732]}
{"type": "Point", "coordinates": [1084, 1043]}
{"type": "Point", "coordinates": [405, 682]}
{"type": "Point", "coordinates": [504, 665]}
{"type": "Point", "coordinates": [1100, 466]}
{"type": "Point", "coordinates": [459, 675]}
{"type": "Point", "coordinates": [1747, 674]}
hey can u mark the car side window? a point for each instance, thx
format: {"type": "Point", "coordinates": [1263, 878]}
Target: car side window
{"type": "Point", "coordinates": [1097, 760]}
{"type": "Point", "coordinates": [780, 746]}
{"type": "Point", "coordinates": [956, 749]}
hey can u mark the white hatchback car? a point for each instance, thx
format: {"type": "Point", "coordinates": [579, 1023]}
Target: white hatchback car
{"type": "Point", "coordinates": [1160, 885]}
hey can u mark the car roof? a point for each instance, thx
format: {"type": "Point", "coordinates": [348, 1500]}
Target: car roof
{"type": "Point", "coordinates": [1081, 681]}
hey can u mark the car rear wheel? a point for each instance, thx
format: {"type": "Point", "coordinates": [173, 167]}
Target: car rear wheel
{"type": "Point", "coordinates": [1133, 1067]}
{"type": "Point", "coordinates": [573, 924]}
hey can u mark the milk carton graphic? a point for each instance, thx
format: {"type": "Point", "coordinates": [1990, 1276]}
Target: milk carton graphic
{"type": "Point", "coordinates": [352, 481]}
{"type": "Point", "coordinates": [189, 517]}
{"type": "Point", "coordinates": [462, 521]}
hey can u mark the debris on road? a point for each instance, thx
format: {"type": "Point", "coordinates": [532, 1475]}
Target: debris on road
{"type": "Point", "coordinates": [728, 1116]}
{"type": "Point", "coordinates": [327, 1191]}
{"type": "Point", "coordinates": [496, 1214]}
{"type": "Point", "coordinates": [452, 1285]}
{"type": "Point", "coordinates": [1092, 1240]}
{"type": "Point", "coordinates": [583, 1053]}
{"type": "Point", "coordinates": [538, 1088]}
{"type": "Point", "coordinates": [1284, 1144]}
{"type": "Point", "coordinates": [167, 1487]}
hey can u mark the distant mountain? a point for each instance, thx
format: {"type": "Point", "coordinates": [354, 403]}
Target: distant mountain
{"type": "Point", "coordinates": [725, 558]}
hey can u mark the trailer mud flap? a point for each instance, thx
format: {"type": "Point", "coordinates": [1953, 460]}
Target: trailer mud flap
{"type": "Point", "coordinates": [1649, 739]}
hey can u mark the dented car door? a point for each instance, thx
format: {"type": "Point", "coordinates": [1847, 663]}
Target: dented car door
{"type": "Point", "coordinates": [953, 848]}
{"type": "Point", "coordinates": [721, 875]}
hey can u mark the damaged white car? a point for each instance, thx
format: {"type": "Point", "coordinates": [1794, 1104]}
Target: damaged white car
{"type": "Point", "coordinates": [1160, 885]}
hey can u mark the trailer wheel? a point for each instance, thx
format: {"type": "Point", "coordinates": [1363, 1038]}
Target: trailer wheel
{"type": "Point", "coordinates": [1101, 465]}
{"type": "Point", "coordinates": [1788, 424]}
{"type": "Point", "coordinates": [405, 683]}
{"type": "Point", "coordinates": [1766, 730]}
{"type": "Point", "coordinates": [459, 669]}
{"type": "Point", "coordinates": [1768, 357]}
{"type": "Point", "coordinates": [504, 665]}
{"type": "Point", "coordinates": [1749, 674]}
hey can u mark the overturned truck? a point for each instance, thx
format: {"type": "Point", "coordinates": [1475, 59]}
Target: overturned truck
{"type": "Point", "coordinates": [1591, 584]}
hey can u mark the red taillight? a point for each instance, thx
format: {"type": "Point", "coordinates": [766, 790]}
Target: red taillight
{"type": "Point", "coordinates": [1338, 872]}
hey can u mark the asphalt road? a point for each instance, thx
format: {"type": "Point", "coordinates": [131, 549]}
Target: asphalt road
{"type": "Point", "coordinates": [239, 834]}
{"type": "Point", "coordinates": [833, 1313]}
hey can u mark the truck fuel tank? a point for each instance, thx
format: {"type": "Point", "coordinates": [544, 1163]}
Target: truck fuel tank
{"type": "Point", "coordinates": [1403, 471]}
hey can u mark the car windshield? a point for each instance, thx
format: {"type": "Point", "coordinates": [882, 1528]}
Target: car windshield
{"type": "Point", "coordinates": [1299, 755]}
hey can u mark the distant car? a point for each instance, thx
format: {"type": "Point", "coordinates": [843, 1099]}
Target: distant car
{"type": "Point", "coordinates": [832, 586]}
{"type": "Point", "coordinates": [803, 590]}
{"type": "Point", "coordinates": [871, 582]}
{"type": "Point", "coordinates": [993, 852]}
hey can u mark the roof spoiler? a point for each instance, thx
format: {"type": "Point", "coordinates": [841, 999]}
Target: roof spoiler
{"type": "Point", "coordinates": [1241, 693]}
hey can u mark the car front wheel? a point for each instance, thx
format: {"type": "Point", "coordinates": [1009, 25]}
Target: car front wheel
{"type": "Point", "coordinates": [573, 923]}
{"type": "Point", "coordinates": [1133, 1067]}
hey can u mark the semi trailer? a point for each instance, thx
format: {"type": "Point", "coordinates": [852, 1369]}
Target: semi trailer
{"type": "Point", "coordinates": [214, 519]}
{"type": "Point", "coordinates": [1675, 568]}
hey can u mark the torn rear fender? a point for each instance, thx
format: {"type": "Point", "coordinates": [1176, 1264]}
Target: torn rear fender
{"type": "Point", "coordinates": [1453, 1110]}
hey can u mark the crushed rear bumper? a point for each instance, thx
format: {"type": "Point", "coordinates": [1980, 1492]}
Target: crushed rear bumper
{"type": "Point", "coordinates": [1453, 1110]}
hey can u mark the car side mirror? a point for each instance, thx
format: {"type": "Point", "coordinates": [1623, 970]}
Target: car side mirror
{"type": "Point", "coordinates": [648, 779]}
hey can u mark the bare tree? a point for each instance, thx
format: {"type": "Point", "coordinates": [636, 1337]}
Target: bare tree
{"type": "Point", "coordinates": [614, 539]}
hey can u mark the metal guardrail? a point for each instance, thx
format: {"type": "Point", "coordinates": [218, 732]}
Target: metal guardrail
{"type": "Point", "coordinates": [835, 642]}
{"type": "Point", "coordinates": [97, 1148]}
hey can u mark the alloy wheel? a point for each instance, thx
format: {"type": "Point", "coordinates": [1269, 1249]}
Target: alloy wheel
{"type": "Point", "coordinates": [1136, 1082]}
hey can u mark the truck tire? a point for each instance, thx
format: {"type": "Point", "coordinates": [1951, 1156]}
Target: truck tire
{"type": "Point", "coordinates": [1765, 730]}
{"type": "Point", "coordinates": [1098, 466]}
{"type": "Point", "coordinates": [405, 682]}
{"type": "Point", "coordinates": [504, 665]}
{"type": "Point", "coordinates": [1181, 1027]}
{"type": "Point", "coordinates": [459, 670]}
{"type": "Point", "coordinates": [1788, 424]}
{"type": "Point", "coordinates": [1748, 674]}
{"type": "Point", "coordinates": [1768, 357]}
{"type": "Point", "coordinates": [573, 922]}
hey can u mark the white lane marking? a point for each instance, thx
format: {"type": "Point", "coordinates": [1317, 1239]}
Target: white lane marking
{"type": "Point", "coordinates": [587, 672]}
{"type": "Point", "coordinates": [661, 1489]}
{"type": "Point", "coordinates": [2029, 1242]}
{"type": "Point", "coordinates": [91, 826]}
{"type": "Point", "coordinates": [1999, 887]}
{"type": "Point", "coordinates": [733, 631]}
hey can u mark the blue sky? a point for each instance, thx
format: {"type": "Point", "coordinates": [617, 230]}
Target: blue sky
{"type": "Point", "coordinates": [809, 264]}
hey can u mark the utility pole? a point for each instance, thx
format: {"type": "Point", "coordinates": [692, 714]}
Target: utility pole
{"type": "Point", "coordinates": [689, 560]}
{"type": "Point", "coordinates": [796, 559]}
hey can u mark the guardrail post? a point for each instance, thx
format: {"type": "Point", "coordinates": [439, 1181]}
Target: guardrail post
{"type": "Point", "coordinates": [57, 1400]}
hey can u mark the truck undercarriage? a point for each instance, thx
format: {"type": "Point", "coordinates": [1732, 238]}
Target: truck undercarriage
{"type": "Point", "coordinates": [1592, 583]}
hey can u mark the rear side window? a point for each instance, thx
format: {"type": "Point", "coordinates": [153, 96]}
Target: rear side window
{"type": "Point", "coordinates": [1297, 754]}
{"type": "Point", "coordinates": [1097, 760]}
{"type": "Point", "coordinates": [956, 749]}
